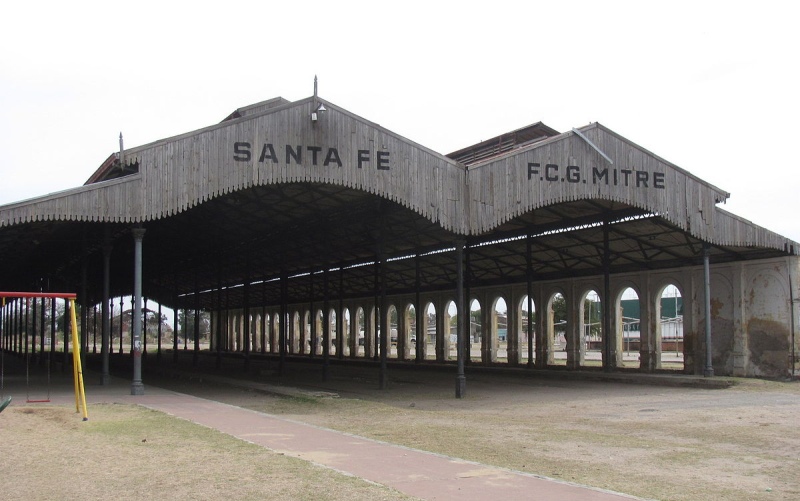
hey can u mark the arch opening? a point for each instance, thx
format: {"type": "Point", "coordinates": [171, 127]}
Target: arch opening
{"type": "Point", "coordinates": [450, 324]}
{"type": "Point", "coordinates": [669, 341]}
{"type": "Point", "coordinates": [429, 332]}
{"type": "Point", "coordinates": [556, 331]}
{"type": "Point", "coordinates": [360, 328]}
{"type": "Point", "coordinates": [497, 332]}
{"type": "Point", "coordinates": [630, 328]}
{"type": "Point", "coordinates": [391, 328]}
{"type": "Point", "coordinates": [474, 344]}
{"type": "Point", "coordinates": [591, 335]}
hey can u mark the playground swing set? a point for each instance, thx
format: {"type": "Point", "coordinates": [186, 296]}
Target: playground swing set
{"type": "Point", "coordinates": [77, 369]}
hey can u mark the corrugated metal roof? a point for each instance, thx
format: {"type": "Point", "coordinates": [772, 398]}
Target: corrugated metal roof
{"type": "Point", "coordinates": [499, 145]}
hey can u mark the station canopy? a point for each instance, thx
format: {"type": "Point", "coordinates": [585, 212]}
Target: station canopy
{"type": "Point", "coordinates": [312, 194]}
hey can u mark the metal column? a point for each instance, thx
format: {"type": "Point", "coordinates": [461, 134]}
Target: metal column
{"type": "Point", "coordinates": [326, 328]}
{"type": "Point", "coordinates": [608, 351]}
{"type": "Point", "coordinates": [461, 378]}
{"type": "Point", "coordinates": [421, 333]}
{"type": "Point", "coordinates": [709, 368]}
{"type": "Point", "coordinates": [529, 290]}
{"type": "Point", "coordinates": [137, 387]}
{"type": "Point", "coordinates": [282, 325]}
{"type": "Point", "coordinates": [105, 341]}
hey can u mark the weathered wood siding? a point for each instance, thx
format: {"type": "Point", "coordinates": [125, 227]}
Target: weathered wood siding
{"type": "Point", "coordinates": [566, 168]}
{"type": "Point", "coordinates": [182, 172]}
{"type": "Point", "coordinates": [176, 174]}
{"type": "Point", "coordinates": [734, 230]}
{"type": "Point", "coordinates": [118, 201]}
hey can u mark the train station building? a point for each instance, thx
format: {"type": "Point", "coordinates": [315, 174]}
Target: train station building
{"type": "Point", "coordinates": [305, 231]}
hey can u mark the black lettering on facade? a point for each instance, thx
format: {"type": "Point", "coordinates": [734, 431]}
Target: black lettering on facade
{"type": "Point", "coordinates": [241, 152]}
{"type": "Point", "coordinates": [383, 160]}
{"type": "Point", "coordinates": [573, 174]}
{"type": "Point", "coordinates": [599, 175]}
{"type": "Point", "coordinates": [533, 168]}
{"type": "Point", "coordinates": [658, 180]}
{"type": "Point", "coordinates": [547, 172]}
{"type": "Point", "coordinates": [314, 150]}
{"type": "Point", "coordinates": [296, 154]}
{"type": "Point", "coordinates": [268, 152]}
{"type": "Point", "coordinates": [363, 158]}
{"type": "Point", "coordinates": [333, 157]}
{"type": "Point", "coordinates": [641, 178]}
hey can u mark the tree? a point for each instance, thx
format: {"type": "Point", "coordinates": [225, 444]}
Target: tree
{"type": "Point", "coordinates": [475, 317]}
{"type": "Point", "coordinates": [153, 320]}
{"type": "Point", "coordinates": [559, 305]}
{"type": "Point", "coordinates": [186, 328]}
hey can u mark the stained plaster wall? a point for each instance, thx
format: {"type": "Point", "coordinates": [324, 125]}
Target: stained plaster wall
{"type": "Point", "coordinates": [751, 318]}
{"type": "Point", "coordinates": [755, 315]}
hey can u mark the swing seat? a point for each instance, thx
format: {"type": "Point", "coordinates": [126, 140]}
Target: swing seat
{"type": "Point", "coordinates": [5, 403]}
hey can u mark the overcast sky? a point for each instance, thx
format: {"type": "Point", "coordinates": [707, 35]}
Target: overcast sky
{"type": "Point", "coordinates": [710, 86]}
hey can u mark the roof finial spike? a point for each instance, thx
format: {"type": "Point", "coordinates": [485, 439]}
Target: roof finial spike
{"type": "Point", "coordinates": [315, 87]}
{"type": "Point", "coordinates": [121, 150]}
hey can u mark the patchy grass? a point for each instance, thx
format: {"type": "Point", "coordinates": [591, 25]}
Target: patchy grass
{"type": "Point", "coordinates": [127, 452]}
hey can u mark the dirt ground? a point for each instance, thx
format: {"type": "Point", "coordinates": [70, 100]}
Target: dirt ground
{"type": "Point", "coordinates": [652, 441]}
{"type": "Point", "coordinates": [657, 442]}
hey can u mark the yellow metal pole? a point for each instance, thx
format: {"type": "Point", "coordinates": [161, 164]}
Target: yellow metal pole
{"type": "Point", "coordinates": [72, 326]}
{"type": "Point", "coordinates": [76, 364]}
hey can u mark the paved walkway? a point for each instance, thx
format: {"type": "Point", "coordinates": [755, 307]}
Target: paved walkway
{"type": "Point", "coordinates": [417, 473]}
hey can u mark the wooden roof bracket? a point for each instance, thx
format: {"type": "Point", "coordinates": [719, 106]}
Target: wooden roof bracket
{"type": "Point", "coordinates": [590, 143]}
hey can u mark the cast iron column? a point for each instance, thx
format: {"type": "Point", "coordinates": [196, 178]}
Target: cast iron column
{"type": "Point", "coordinates": [196, 347]}
{"type": "Point", "coordinates": [246, 311]}
{"type": "Point", "coordinates": [137, 388]}
{"type": "Point", "coordinates": [376, 340]}
{"type": "Point", "coordinates": [175, 333]}
{"type": "Point", "coordinates": [159, 333]}
{"type": "Point", "coordinates": [84, 302]}
{"type": "Point", "coordinates": [312, 343]}
{"type": "Point", "coordinates": [106, 324]}
{"type": "Point", "coordinates": [709, 368]}
{"type": "Point", "coordinates": [42, 352]}
{"type": "Point", "coordinates": [467, 286]}
{"type": "Point", "coordinates": [382, 321]}
{"type": "Point", "coordinates": [52, 355]}
{"type": "Point", "coordinates": [121, 310]}
{"type": "Point", "coordinates": [529, 273]}
{"type": "Point", "coordinates": [282, 325]}
{"type": "Point", "coordinates": [421, 333]}
{"type": "Point", "coordinates": [608, 352]}
{"type": "Point", "coordinates": [326, 328]}
{"type": "Point", "coordinates": [218, 330]}
{"type": "Point", "coordinates": [461, 378]}
{"type": "Point", "coordinates": [340, 334]}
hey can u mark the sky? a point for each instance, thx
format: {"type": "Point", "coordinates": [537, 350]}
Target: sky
{"type": "Point", "coordinates": [709, 86]}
